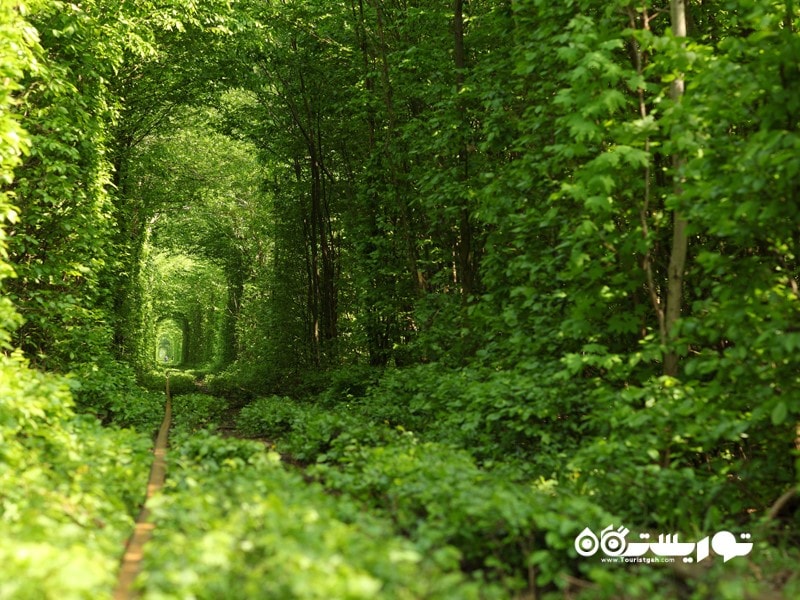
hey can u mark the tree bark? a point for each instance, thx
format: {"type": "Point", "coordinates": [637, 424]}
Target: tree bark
{"type": "Point", "coordinates": [680, 239]}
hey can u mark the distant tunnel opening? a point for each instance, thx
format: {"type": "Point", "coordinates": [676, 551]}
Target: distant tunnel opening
{"type": "Point", "coordinates": [185, 302]}
{"type": "Point", "coordinates": [171, 343]}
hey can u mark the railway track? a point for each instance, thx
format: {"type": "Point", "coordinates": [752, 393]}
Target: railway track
{"type": "Point", "coordinates": [143, 530]}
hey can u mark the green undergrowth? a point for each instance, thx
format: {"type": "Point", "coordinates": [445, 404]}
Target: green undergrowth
{"type": "Point", "coordinates": [69, 489]}
{"type": "Point", "coordinates": [234, 522]}
{"type": "Point", "coordinates": [180, 382]}
{"type": "Point", "coordinates": [142, 411]}
{"type": "Point", "coordinates": [500, 525]}
{"type": "Point", "coordinates": [195, 411]}
{"type": "Point", "coordinates": [504, 471]}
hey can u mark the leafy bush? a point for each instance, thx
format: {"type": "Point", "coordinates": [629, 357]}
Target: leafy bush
{"type": "Point", "coordinates": [238, 382]}
{"type": "Point", "coordinates": [141, 410]}
{"type": "Point", "coordinates": [673, 448]}
{"type": "Point", "coordinates": [509, 532]}
{"type": "Point", "coordinates": [772, 575]}
{"type": "Point", "coordinates": [496, 414]}
{"type": "Point", "coordinates": [108, 390]}
{"type": "Point", "coordinates": [594, 457]}
{"type": "Point", "coordinates": [70, 489]}
{"type": "Point", "coordinates": [152, 380]}
{"type": "Point", "coordinates": [180, 382]}
{"type": "Point", "coordinates": [253, 530]}
{"type": "Point", "coordinates": [194, 411]}
{"type": "Point", "coordinates": [347, 384]}
{"type": "Point", "coordinates": [267, 417]}
{"type": "Point", "coordinates": [306, 431]}
{"type": "Point", "coordinates": [434, 493]}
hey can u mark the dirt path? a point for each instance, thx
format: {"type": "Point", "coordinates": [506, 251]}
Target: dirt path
{"type": "Point", "coordinates": [131, 560]}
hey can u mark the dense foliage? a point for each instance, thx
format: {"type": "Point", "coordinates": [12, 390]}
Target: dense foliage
{"type": "Point", "coordinates": [249, 525]}
{"type": "Point", "coordinates": [491, 271]}
{"type": "Point", "coordinates": [505, 523]}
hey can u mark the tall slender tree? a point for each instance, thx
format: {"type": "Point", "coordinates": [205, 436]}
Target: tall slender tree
{"type": "Point", "coordinates": [680, 236]}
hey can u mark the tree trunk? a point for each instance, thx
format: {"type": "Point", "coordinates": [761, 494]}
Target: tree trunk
{"type": "Point", "coordinates": [680, 239]}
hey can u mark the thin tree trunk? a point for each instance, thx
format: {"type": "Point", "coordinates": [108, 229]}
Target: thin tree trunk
{"type": "Point", "coordinates": [680, 239]}
{"type": "Point", "coordinates": [653, 290]}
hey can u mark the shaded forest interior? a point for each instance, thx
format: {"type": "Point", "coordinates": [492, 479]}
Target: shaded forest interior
{"type": "Point", "coordinates": [484, 273]}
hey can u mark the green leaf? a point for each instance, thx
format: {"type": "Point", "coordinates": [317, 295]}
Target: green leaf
{"type": "Point", "coordinates": [779, 413]}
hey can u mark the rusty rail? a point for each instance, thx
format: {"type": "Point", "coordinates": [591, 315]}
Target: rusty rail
{"type": "Point", "coordinates": [134, 550]}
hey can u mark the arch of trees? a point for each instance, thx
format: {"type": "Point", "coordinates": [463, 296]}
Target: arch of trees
{"type": "Point", "coordinates": [527, 204]}
{"type": "Point", "coordinates": [567, 230]}
{"type": "Point", "coordinates": [186, 300]}
{"type": "Point", "coordinates": [172, 341]}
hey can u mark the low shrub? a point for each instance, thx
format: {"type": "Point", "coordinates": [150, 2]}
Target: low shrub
{"type": "Point", "coordinates": [499, 470]}
{"type": "Point", "coordinates": [194, 411]}
{"type": "Point", "coordinates": [152, 380]}
{"type": "Point", "coordinates": [306, 431]}
{"type": "Point", "coordinates": [140, 409]}
{"type": "Point", "coordinates": [348, 384]}
{"type": "Point", "coordinates": [436, 494]}
{"type": "Point", "coordinates": [238, 383]}
{"type": "Point", "coordinates": [252, 529]}
{"type": "Point", "coordinates": [268, 417]}
{"type": "Point", "coordinates": [507, 532]}
{"type": "Point", "coordinates": [70, 488]}
{"type": "Point", "coordinates": [180, 382]}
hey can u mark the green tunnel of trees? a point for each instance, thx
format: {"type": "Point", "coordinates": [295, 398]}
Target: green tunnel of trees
{"type": "Point", "coordinates": [564, 235]}
{"type": "Point", "coordinates": [171, 336]}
